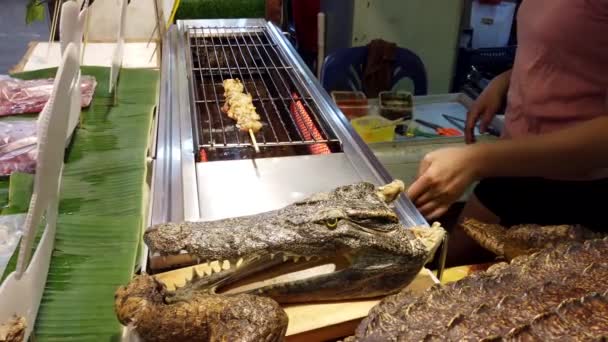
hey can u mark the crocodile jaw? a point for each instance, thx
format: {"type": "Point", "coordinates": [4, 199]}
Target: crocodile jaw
{"type": "Point", "coordinates": [289, 278]}
{"type": "Point", "coordinates": [431, 237]}
{"type": "Point", "coordinates": [354, 223]}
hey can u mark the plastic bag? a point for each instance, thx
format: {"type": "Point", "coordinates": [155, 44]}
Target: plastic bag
{"type": "Point", "coordinates": [10, 233]}
{"type": "Point", "coordinates": [29, 96]}
{"type": "Point", "coordinates": [18, 147]}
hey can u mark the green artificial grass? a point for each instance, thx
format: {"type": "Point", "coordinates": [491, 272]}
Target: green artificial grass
{"type": "Point", "coordinates": [100, 210]}
{"type": "Point", "coordinates": [216, 9]}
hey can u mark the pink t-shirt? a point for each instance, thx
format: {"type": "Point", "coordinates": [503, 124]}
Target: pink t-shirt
{"type": "Point", "coordinates": [560, 74]}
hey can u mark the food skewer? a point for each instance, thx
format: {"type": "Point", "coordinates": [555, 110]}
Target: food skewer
{"type": "Point", "coordinates": [254, 142]}
{"type": "Point", "coordinates": [239, 106]}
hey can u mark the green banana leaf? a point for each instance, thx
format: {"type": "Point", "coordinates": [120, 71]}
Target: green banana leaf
{"type": "Point", "coordinates": [4, 184]}
{"type": "Point", "coordinates": [15, 194]}
{"type": "Point", "coordinates": [101, 210]}
{"type": "Point", "coordinates": [19, 193]}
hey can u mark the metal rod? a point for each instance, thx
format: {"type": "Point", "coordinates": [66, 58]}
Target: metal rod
{"type": "Point", "coordinates": [242, 69]}
{"type": "Point", "coordinates": [273, 144]}
{"type": "Point", "coordinates": [217, 60]}
{"type": "Point", "coordinates": [309, 125]}
{"type": "Point", "coordinates": [262, 99]}
{"type": "Point", "coordinates": [236, 60]}
{"type": "Point", "coordinates": [276, 89]}
{"type": "Point", "coordinates": [296, 82]}
{"type": "Point", "coordinates": [196, 91]}
{"type": "Point", "coordinates": [219, 37]}
{"type": "Point", "coordinates": [285, 86]}
{"type": "Point", "coordinates": [255, 64]}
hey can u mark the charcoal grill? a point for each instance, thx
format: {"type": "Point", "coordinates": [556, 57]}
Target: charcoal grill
{"type": "Point", "coordinates": [249, 54]}
{"type": "Point", "coordinates": [204, 168]}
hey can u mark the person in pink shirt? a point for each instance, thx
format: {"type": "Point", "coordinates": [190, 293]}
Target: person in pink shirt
{"type": "Point", "coordinates": [551, 163]}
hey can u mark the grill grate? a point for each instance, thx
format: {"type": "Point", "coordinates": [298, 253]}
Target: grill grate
{"type": "Point", "coordinates": [249, 54]}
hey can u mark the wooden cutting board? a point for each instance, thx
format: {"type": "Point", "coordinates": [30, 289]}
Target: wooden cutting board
{"type": "Point", "coordinates": [312, 322]}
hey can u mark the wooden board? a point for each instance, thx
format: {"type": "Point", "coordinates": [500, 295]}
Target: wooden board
{"type": "Point", "coordinates": [311, 322]}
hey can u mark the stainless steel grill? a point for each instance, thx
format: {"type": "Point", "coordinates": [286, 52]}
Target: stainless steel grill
{"type": "Point", "coordinates": [249, 54]}
{"type": "Point", "coordinates": [197, 56]}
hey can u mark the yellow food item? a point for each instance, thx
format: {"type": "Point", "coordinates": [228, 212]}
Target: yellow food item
{"type": "Point", "coordinates": [239, 106]}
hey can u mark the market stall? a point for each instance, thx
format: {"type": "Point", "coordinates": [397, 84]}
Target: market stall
{"type": "Point", "coordinates": [208, 186]}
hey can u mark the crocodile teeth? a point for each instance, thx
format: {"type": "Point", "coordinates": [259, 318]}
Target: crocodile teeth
{"type": "Point", "coordinates": [296, 258]}
{"type": "Point", "coordinates": [216, 266]}
{"type": "Point", "coordinates": [285, 258]}
{"type": "Point", "coordinates": [226, 265]}
{"type": "Point", "coordinates": [239, 262]}
{"type": "Point", "coordinates": [272, 256]}
{"type": "Point", "coordinates": [308, 258]}
{"type": "Point", "coordinates": [208, 271]}
{"type": "Point", "coordinates": [195, 274]}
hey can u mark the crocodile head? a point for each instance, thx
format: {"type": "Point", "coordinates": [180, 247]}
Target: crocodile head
{"type": "Point", "coordinates": [343, 244]}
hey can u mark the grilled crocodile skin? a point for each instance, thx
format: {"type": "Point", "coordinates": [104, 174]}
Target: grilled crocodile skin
{"type": "Point", "coordinates": [576, 319]}
{"type": "Point", "coordinates": [526, 238]}
{"type": "Point", "coordinates": [503, 302]}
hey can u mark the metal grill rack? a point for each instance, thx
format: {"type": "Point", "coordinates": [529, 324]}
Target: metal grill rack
{"type": "Point", "coordinates": [249, 54]}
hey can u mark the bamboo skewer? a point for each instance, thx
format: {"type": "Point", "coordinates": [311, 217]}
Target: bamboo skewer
{"type": "Point", "coordinates": [53, 27]}
{"type": "Point", "coordinates": [86, 30]}
{"type": "Point", "coordinates": [254, 142]}
{"type": "Point", "coordinates": [152, 35]}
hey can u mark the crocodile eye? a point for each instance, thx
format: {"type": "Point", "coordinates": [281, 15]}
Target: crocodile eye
{"type": "Point", "coordinates": [332, 223]}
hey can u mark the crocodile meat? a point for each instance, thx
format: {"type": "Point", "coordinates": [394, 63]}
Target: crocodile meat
{"type": "Point", "coordinates": [352, 229]}
{"type": "Point", "coordinates": [555, 294]}
{"type": "Point", "coordinates": [525, 238]}
{"type": "Point", "coordinates": [203, 317]}
{"type": "Point", "coordinates": [13, 330]}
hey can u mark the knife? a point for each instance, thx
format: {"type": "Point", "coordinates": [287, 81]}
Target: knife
{"type": "Point", "coordinates": [460, 124]}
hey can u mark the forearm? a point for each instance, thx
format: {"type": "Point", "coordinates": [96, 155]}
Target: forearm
{"type": "Point", "coordinates": [572, 151]}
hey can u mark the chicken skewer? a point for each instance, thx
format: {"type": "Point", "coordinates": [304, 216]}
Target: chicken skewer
{"type": "Point", "coordinates": [239, 106]}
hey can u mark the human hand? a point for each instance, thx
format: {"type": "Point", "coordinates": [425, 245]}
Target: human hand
{"type": "Point", "coordinates": [485, 107]}
{"type": "Point", "coordinates": [443, 177]}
